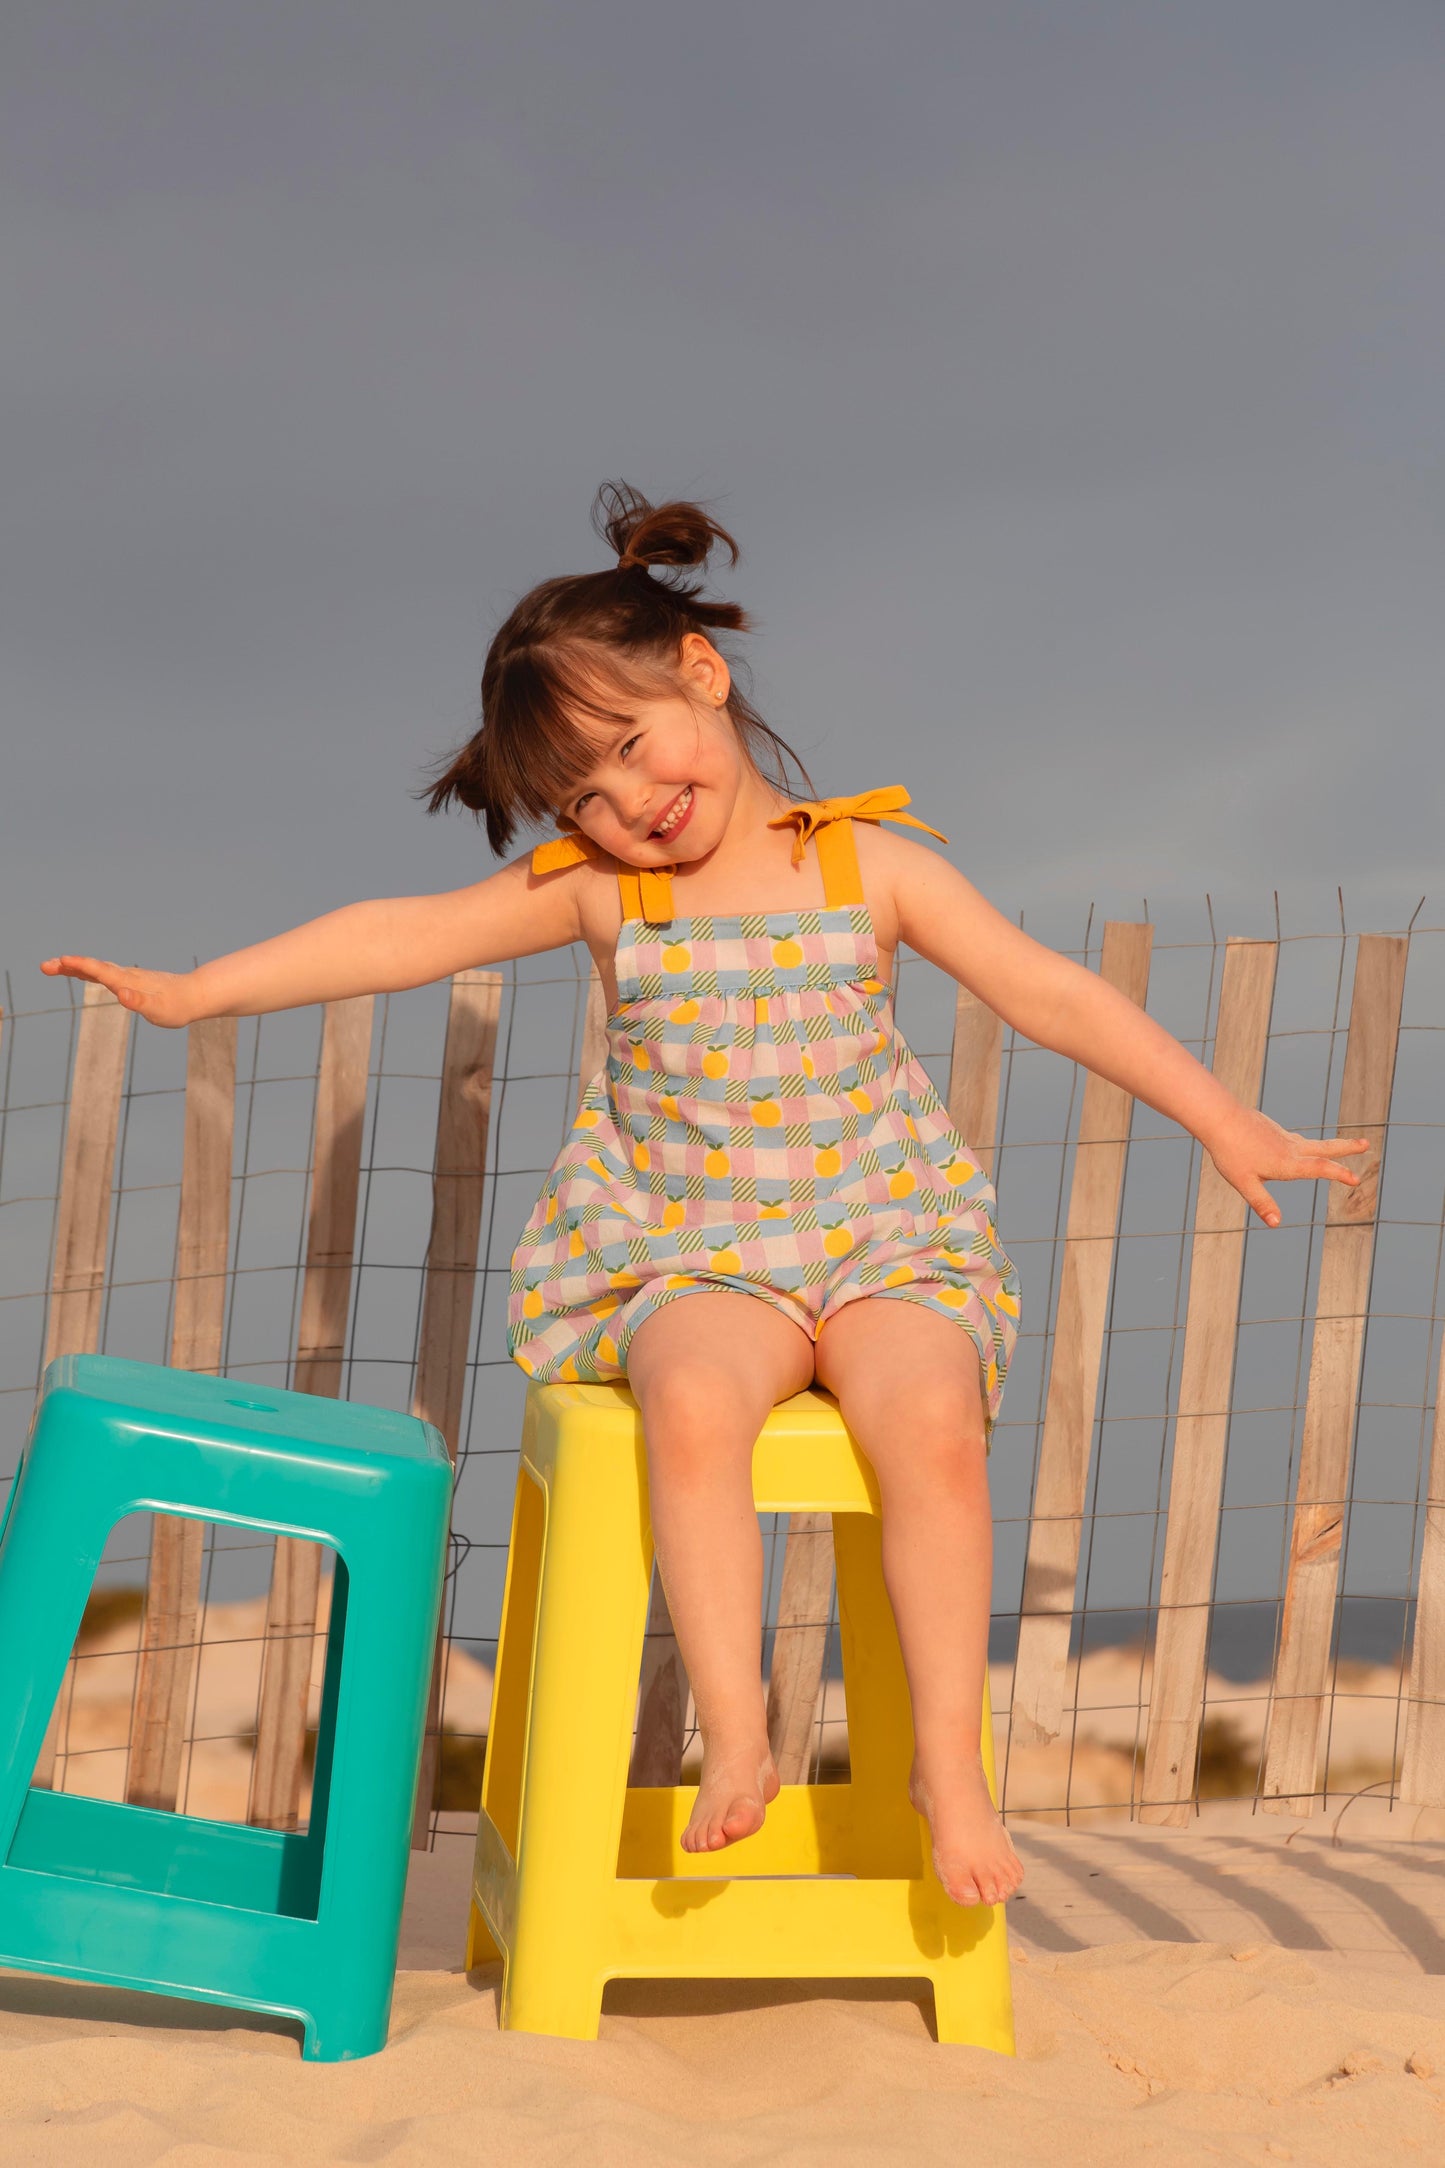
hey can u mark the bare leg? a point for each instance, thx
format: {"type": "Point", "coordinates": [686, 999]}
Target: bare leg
{"type": "Point", "coordinates": [706, 1370]}
{"type": "Point", "coordinates": [907, 1381]}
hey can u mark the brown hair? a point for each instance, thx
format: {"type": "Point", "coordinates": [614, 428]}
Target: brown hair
{"type": "Point", "coordinates": [578, 648]}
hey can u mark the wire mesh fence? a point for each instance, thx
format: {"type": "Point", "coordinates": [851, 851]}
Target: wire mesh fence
{"type": "Point", "coordinates": [1095, 1760]}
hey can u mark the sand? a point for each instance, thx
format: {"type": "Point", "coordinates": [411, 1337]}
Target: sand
{"type": "Point", "coordinates": [1251, 1991]}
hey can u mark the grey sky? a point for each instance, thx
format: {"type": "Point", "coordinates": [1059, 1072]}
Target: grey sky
{"type": "Point", "coordinates": [1070, 375]}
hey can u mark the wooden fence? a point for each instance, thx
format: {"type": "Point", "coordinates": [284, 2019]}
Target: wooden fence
{"type": "Point", "coordinates": [1042, 1687]}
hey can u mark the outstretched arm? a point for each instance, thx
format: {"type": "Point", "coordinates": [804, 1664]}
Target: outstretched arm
{"type": "Point", "coordinates": [363, 948]}
{"type": "Point", "coordinates": [1056, 1002]}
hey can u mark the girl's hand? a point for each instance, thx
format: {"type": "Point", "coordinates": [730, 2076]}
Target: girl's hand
{"type": "Point", "coordinates": [1253, 1150]}
{"type": "Point", "coordinates": [161, 997]}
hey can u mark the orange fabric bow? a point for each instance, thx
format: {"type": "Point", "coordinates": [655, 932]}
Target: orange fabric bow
{"type": "Point", "coordinates": [811, 814]}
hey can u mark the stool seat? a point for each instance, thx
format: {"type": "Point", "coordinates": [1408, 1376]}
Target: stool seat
{"type": "Point", "coordinates": [580, 1879]}
{"type": "Point", "coordinates": [300, 1924]}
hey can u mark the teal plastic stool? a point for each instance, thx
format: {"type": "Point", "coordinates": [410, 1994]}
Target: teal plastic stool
{"type": "Point", "coordinates": [302, 1925]}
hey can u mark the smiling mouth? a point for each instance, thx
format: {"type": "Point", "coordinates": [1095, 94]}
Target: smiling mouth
{"type": "Point", "coordinates": [675, 815]}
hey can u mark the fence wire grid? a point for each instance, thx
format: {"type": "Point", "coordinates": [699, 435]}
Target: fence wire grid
{"type": "Point", "coordinates": [1095, 1767]}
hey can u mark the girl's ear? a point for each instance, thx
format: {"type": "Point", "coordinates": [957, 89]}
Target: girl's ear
{"type": "Point", "coordinates": [703, 669]}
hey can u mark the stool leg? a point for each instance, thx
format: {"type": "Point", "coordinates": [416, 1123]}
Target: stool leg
{"type": "Point", "coordinates": [511, 1690]}
{"type": "Point", "coordinates": [888, 1836]}
{"type": "Point", "coordinates": [590, 1619]}
{"type": "Point", "coordinates": [972, 1993]}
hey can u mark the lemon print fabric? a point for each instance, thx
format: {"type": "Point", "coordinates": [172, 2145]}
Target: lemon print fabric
{"type": "Point", "coordinates": [762, 1129]}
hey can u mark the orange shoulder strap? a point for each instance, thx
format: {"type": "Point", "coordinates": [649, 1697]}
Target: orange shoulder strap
{"type": "Point", "coordinates": [646, 891]}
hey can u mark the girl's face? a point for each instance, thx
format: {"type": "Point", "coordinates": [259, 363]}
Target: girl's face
{"type": "Point", "coordinates": [665, 783]}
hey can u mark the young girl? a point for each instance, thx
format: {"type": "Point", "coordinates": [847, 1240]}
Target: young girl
{"type": "Point", "coordinates": [762, 1188]}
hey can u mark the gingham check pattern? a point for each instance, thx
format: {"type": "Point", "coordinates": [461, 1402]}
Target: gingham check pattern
{"type": "Point", "coordinates": [761, 1126]}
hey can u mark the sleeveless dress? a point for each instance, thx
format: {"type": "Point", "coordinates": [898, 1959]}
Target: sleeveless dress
{"type": "Point", "coordinates": [761, 1127]}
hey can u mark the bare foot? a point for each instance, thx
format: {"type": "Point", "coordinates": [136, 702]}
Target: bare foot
{"type": "Point", "coordinates": [733, 1795]}
{"type": "Point", "coordinates": [973, 1855]}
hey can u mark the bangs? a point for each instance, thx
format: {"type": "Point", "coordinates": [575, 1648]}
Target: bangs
{"type": "Point", "coordinates": [548, 721]}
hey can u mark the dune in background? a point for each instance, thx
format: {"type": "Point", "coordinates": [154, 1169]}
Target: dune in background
{"type": "Point", "coordinates": [1094, 1768]}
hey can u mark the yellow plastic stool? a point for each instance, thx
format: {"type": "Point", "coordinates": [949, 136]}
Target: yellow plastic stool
{"type": "Point", "coordinates": [579, 1879]}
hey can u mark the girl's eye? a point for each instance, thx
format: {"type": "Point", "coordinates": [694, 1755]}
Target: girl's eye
{"type": "Point", "coordinates": [626, 747]}
{"type": "Point", "coordinates": [582, 801]}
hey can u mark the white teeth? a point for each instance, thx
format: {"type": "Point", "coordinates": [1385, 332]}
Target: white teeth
{"type": "Point", "coordinates": [665, 827]}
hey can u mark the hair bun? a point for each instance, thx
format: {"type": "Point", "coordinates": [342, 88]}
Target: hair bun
{"type": "Point", "coordinates": [644, 534]}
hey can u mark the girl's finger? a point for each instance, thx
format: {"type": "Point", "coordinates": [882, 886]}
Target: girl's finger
{"type": "Point", "coordinates": [1260, 1200]}
{"type": "Point", "coordinates": [1343, 1147]}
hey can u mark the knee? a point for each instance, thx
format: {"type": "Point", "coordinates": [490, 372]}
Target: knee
{"type": "Point", "coordinates": [931, 1437]}
{"type": "Point", "coordinates": [693, 1410]}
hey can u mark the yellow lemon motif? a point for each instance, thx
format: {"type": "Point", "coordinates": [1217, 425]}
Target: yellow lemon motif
{"type": "Point", "coordinates": [899, 1276]}
{"type": "Point", "coordinates": [641, 1157]}
{"type": "Point", "coordinates": [787, 955]}
{"type": "Point", "coordinates": [910, 1125]}
{"type": "Point", "coordinates": [673, 1212]}
{"type": "Point", "coordinates": [874, 986]}
{"type": "Point", "coordinates": [524, 1362]}
{"type": "Point", "coordinates": [962, 1170]}
{"type": "Point", "coordinates": [677, 1279]}
{"type": "Point", "coordinates": [607, 1349]}
{"type": "Point", "coordinates": [641, 1059]}
{"type": "Point", "coordinates": [901, 1184]}
{"type": "Point", "coordinates": [568, 1372]}
{"type": "Point", "coordinates": [714, 1062]}
{"type": "Point", "coordinates": [670, 1107]}
{"type": "Point", "coordinates": [828, 1160]}
{"type": "Point", "coordinates": [676, 957]}
{"type": "Point", "coordinates": [807, 1063]}
{"type": "Point", "coordinates": [596, 1167]}
{"type": "Point", "coordinates": [838, 1241]}
{"type": "Point", "coordinates": [532, 1302]}
{"type": "Point", "coordinates": [1007, 1303]}
{"type": "Point", "coordinates": [772, 1211]}
{"type": "Point", "coordinates": [861, 1099]}
{"type": "Point", "coordinates": [603, 1306]}
{"type": "Point", "coordinates": [953, 1296]}
{"type": "Point", "coordinates": [991, 1378]}
{"type": "Point", "coordinates": [686, 1012]}
{"type": "Point", "coordinates": [622, 1279]}
{"type": "Point", "coordinates": [588, 1118]}
{"type": "Point", "coordinates": [767, 1113]}
{"type": "Point", "coordinates": [551, 1212]}
{"type": "Point", "coordinates": [726, 1261]}
{"type": "Point", "coordinates": [575, 1244]}
{"type": "Point", "coordinates": [716, 1164]}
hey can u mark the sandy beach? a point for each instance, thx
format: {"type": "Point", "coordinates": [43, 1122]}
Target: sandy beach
{"type": "Point", "coordinates": [1248, 1992]}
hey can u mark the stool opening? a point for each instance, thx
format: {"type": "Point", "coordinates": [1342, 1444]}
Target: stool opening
{"type": "Point", "coordinates": [196, 1685]}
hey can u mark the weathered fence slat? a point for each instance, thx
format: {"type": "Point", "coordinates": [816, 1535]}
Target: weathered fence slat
{"type": "Point", "coordinates": [800, 1643]}
{"type": "Point", "coordinates": [1422, 1771]}
{"type": "Point", "coordinates": [661, 1699]}
{"type": "Point", "coordinates": [973, 1076]}
{"type": "Point", "coordinates": [278, 1771]}
{"type": "Point", "coordinates": [1301, 1671]}
{"type": "Point", "coordinates": [173, 1586]}
{"type": "Point", "coordinates": [1041, 1669]}
{"type": "Point", "coordinates": [464, 1114]}
{"type": "Point", "coordinates": [82, 1227]}
{"type": "Point", "coordinates": [1196, 1483]}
